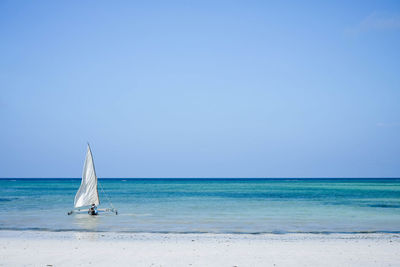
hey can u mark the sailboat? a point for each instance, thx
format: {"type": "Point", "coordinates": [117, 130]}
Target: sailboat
{"type": "Point", "coordinates": [88, 194]}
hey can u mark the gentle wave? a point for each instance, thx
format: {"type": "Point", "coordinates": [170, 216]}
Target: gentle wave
{"type": "Point", "coordinates": [199, 232]}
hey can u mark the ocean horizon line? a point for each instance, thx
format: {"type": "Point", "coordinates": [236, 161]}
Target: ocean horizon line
{"type": "Point", "coordinates": [203, 178]}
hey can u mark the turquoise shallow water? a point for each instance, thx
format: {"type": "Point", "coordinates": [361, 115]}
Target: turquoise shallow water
{"type": "Point", "coordinates": [207, 205]}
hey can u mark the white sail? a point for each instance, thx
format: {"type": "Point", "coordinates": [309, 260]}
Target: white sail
{"type": "Point", "coordinates": [87, 193]}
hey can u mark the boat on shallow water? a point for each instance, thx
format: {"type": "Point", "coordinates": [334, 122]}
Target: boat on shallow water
{"type": "Point", "coordinates": [87, 197]}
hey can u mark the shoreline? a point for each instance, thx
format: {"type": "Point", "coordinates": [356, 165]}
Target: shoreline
{"type": "Point", "coordinates": [39, 233]}
{"type": "Point", "coordinates": [44, 230]}
{"type": "Point", "coordinates": [154, 249]}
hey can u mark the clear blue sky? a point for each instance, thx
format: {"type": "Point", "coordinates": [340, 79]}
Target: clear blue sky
{"type": "Point", "coordinates": [200, 88]}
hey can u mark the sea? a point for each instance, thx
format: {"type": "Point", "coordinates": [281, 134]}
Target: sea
{"type": "Point", "coordinates": [240, 206]}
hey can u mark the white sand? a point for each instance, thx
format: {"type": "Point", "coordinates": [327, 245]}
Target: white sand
{"type": "Point", "coordinates": [32, 248]}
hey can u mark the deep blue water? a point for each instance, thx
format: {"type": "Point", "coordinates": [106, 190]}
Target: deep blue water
{"type": "Point", "coordinates": [207, 205]}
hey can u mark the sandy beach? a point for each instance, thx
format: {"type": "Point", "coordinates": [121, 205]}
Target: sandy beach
{"type": "Point", "coordinates": [37, 248]}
